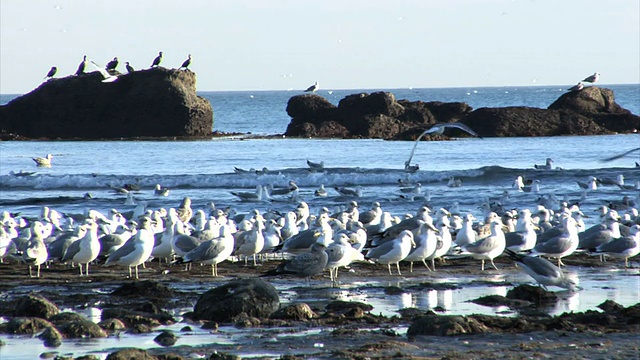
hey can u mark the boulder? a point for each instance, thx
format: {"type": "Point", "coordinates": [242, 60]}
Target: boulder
{"type": "Point", "coordinates": [446, 326]}
{"type": "Point", "coordinates": [51, 337]}
{"type": "Point", "coordinates": [250, 297]}
{"type": "Point", "coordinates": [310, 108]}
{"type": "Point", "coordinates": [533, 294]}
{"type": "Point", "coordinates": [356, 106]}
{"type": "Point", "coordinates": [81, 329]}
{"type": "Point", "coordinates": [166, 338]}
{"type": "Point", "coordinates": [590, 100]}
{"type": "Point", "coordinates": [155, 102]}
{"type": "Point", "coordinates": [298, 312]}
{"type": "Point", "coordinates": [131, 353]}
{"type": "Point", "coordinates": [27, 325]}
{"type": "Point", "coordinates": [35, 305]}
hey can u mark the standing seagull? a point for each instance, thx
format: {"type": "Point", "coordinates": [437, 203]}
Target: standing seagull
{"type": "Point", "coordinates": [438, 129]}
{"type": "Point", "coordinates": [313, 88]}
{"type": "Point", "coordinates": [51, 72]}
{"type": "Point", "coordinates": [130, 68]}
{"type": "Point", "coordinates": [592, 78]}
{"type": "Point", "coordinates": [543, 271]}
{"type": "Point", "coordinates": [157, 60]}
{"type": "Point", "coordinates": [82, 65]}
{"type": "Point", "coordinates": [113, 64]}
{"type": "Point", "coordinates": [186, 63]}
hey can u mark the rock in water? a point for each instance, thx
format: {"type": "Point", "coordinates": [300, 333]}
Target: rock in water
{"type": "Point", "coordinates": [35, 305]}
{"type": "Point", "coordinates": [253, 297]}
{"type": "Point", "coordinates": [156, 102]}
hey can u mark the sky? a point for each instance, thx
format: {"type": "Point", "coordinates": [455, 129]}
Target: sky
{"type": "Point", "coordinates": [342, 44]}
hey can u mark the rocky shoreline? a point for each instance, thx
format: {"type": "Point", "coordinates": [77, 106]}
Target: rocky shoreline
{"type": "Point", "coordinates": [336, 329]}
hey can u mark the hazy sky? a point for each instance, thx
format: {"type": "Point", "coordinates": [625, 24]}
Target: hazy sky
{"type": "Point", "coordinates": [343, 44]}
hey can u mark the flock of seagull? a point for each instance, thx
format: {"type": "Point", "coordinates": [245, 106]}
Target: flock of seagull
{"type": "Point", "coordinates": [313, 243]}
{"type": "Point", "coordinates": [109, 72]}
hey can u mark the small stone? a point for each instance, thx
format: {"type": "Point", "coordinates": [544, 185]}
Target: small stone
{"type": "Point", "coordinates": [166, 338]}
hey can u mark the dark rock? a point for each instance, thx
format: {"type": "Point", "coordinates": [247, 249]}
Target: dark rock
{"type": "Point", "coordinates": [186, 328]}
{"type": "Point", "coordinates": [48, 355]}
{"type": "Point", "coordinates": [610, 306]}
{"type": "Point", "coordinates": [374, 126]}
{"type": "Point", "coordinates": [169, 357]}
{"type": "Point", "coordinates": [393, 290]}
{"type": "Point", "coordinates": [326, 129]}
{"type": "Point", "coordinates": [81, 329]}
{"type": "Point", "coordinates": [27, 325]}
{"type": "Point", "coordinates": [245, 321]}
{"type": "Point", "coordinates": [166, 338]}
{"type": "Point", "coordinates": [533, 294]}
{"type": "Point", "coordinates": [86, 357]}
{"type": "Point", "coordinates": [445, 326]}
{"type": "Point", "coordinates": [139, 329]}
{"type": "Point", "coordinates": [112, 325]}
{"type": "Point", "coordinates": [217, 355]}
{"type": "Point", "coordinates": [340, 306]}
{"type": "Point", "coordinates": [156, 102]}
{"type": "Point", "coordinates": [253, 297]}
{"type": "Point", "coordinates": [411, 313]}
{"type": "Point", "coordinates": [310, 108]}
{"type": "Point", "coordinates": [66, 316]}
{"type": "Point", "coordinates": [590, 100]}
{"type": "Point", "coordinates": [299, 312]}
{"type": "Point", "coordinates": [357, 106]}
{"type": "Point", "coordinates": [210, 325]}
{"type": "Point", "coordinates": [416, 112]}
{"type": "Point", "coordinates": [131, 353]}
{"type": "Point", "coordinates": [144, 289]}
{"type": "Point", "coordinates": [130, 317]}
{"type": "Point", "coordinates": [35, 305]}
{"type": "Point", "coordinates": [498, 300]}
{"type": "Point", "coordinates": [51, 337]}
{"type": "Point", "coordinates": [449, 112]}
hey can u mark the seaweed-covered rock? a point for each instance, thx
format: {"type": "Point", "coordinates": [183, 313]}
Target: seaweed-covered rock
{"type": "Point", "coordinates": [27, 325]}
{"type": "Point", "coordinates": [166, 338]}
{"type": "Point", "coordinates": [299, 311]}
{"type": "Point", "coordinates": [533, 294]}
{"type": "Point", "coordinates": [446, 326]}
{"type": "Point", "coordinates": [51, 337]}
{"type": "Point", "coordinates": [35, 305]}
{"type": "Point", "coordinates": [156, 102]}
{"type": "Point", "coordinates": [251, 297]}
{"type": "Point", "coordinates": [131, 353]}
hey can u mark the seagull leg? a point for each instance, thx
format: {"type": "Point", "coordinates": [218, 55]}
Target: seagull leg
{"type": "Point", "coordinates": [425, 264]}
{"type": "Point", "coordinates": [482, 266]}
{"type": "Point", "coordinates": [137, 271]}
{"type": "Point", "coordinates": [560, 262]}
{"type": "Point", "coordinates": [433, 264]}
{"type": "Point", "coordinates": [398, 266]}
{"type": "Point", "coordinates": [389, 265]}
{"type": "Point", "coordinates": [130, 275]}
{"type": "Point", "coordinates": [30, 274]}
{"type": "Point", "coordinates": [86, 270]}
{"type": "Point", "coordinates": [494, 265]}
{"type": "Point", "coordinates": [411, 266]}
{"type": "Point", "coordinates": [80, 267]}
{"type": "Point", "coordinates": [38, 270]}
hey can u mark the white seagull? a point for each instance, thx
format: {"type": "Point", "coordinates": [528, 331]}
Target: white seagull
{"type": "Point", "coordinates": [107, 77]}
{"type": "Point", "coordinates": [439, 129]}
{"type": "Point", "coordinates": [313, 88]}
{"type": "Point", "coordinates": [45, 161]}
{"type": "Point", "coordinates": [592, 78]}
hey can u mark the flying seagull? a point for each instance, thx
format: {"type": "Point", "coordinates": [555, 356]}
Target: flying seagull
{"type": "Point", "coordinates": [157, 60]}
{"type": "Point", "coordinates": [616, 157]}
{"type": "Point", "coordinates": [51, 72]}
{"type": "Point", "coordinates": [592, 78]}
{"type": "Point", "coordinates": [130, 68]}
{"type": "Point", "coordinates": [186, 63]}
{"type": "Point", "coordinates": [577, 87]}
{"type": "Point", "coordinates": [313, 88]}
{"type": "Point", "coordinates": [437, 129]}
{"type": "Point", "coordinates": [82, 65]}
{"type": "Point", "coordinates": [111, 65]}
{"type": "Point", "coordinates": [107, 77]}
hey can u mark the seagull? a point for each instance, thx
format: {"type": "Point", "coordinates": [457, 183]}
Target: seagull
{"type": "Point", "coordinates": [186, 63]}
{"type": "Point", "coordinates": [130, 68]}
{"type": "Point", "coordinates": [577, 87]}
{"type": "Point", "coordinates": [438, 129]}
{"type": "Point", "coordinates": [304, 265]}
{"type": "Point", "coordinates": [212, 251]}
{"type": "Point", "coordinates": [547, 166]}
{"type": "Point", "coordinates": [51, 72]}
{"type": "Point", "coordinates": [44, 162]}
{"type": "Point", "coordinates": [157, 60]}
{"type": "Point", "coordinates": [616, 157]}
{"type": "Point", "coordinates": [345, 191]}
{"type": "Point", "coordinates": [313, 88]}
{"type": "Point", "coordinates": [542, 270]}
{"type": "Point", "coordinates": [489, 247]}
{"type": "Point", "coordinates": [135, 251]}
{"type": "Point", "coordinates": [592, 78]}
{"type": "Point", "coordinates": [393, 251]}
{"type": "Point", "coordinates": [315, 165]}
{"type": "Point", "coordinates": [111, 65]}
{"type": "Point", "coordinates": [321, 191]}
{"type": "Point", "coordinates": [82, 65]}
{"type": "Point", "coordinates": [161, 191]}
{"type": "Point", "coordinates": [623, 247]}
{"type": "Point", "coordinates": [107, 77]}
{"type": "Point", "coordinates": [86, 249]}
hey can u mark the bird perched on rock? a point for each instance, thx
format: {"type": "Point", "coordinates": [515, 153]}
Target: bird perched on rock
{"type": "Point", "coordinates": [313, 88]}
{"type": "Point", "coordinates": [111, 65]}
{"type": "Point", "coordinates": [592, 78]}
{"type": "Point", "coordinates": [51, 72]}
{"type": "Point", "coordinates": [577, 87]}
{"type": "Point", "coordinates": [186, 63]}
{"type": "Point", "coordinates": [82, 66]}
{"type": "Point", "coordinates": [157, 60]}
{"type": "Point", "coordinates": [130, 68]}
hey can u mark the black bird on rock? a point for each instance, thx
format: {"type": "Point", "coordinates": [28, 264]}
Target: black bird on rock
{"type": "Point", "coordinates": [82, 66]}
{"type": "Point", "coordinates": [130, 68]}
{"type": "Point", "coordinates": [111, 65]}
{"type": "Point", "coordinates": [186, 63]}
{"type": "Point", "coordinates": [51, 72]}
{"type": "Point", "coordinates": [157, 60]}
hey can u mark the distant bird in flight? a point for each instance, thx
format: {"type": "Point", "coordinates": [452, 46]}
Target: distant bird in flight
{"type": "Point", "coordinates": [111, 65]}
{"type": "Point", "coordinates": [82, 65]}
{"type": "Point", "coordinates": [186, 63]}
{"type": "Point", "coordinates": [130, 68]}
{"type": "Point", "coordinates": [313, 88]}
{"type": "Point", "coordinates": [51, 72]}
{"type": "Point", "coordinates": [157, 60]}
{"type": "Point", "coordinates": [577, 87]}
{"type": "Point", "coordinates": [592, 78]}
{"type": "Point", "coordinates": [436, 129]}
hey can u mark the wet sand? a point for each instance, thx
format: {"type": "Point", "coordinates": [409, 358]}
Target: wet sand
{"type": "Point", "coordinates": [330, 335]}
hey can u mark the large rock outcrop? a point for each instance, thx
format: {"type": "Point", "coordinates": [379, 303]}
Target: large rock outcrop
{"type": "Point", "coordinates": [156, 102]}
{"type": "Point", "coordinates": [591, 111]}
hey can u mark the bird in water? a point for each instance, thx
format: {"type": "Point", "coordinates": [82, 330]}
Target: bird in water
{"type": "Point", "coordinates": [157, 60]}
{"type": "Point", "coordinates": [45, 161]}
{"type": "Point", "coordinates": [592, 78]}
{"type": "Point", "coordinates": [186, 63]}
{"type": "Point", "coordinates": [82, 66]}
{"type": "Point", "coordinates": [313, 88]}
{"type": "Point", "coordinates": [51, 72]}
{"type": "Point", "coordinates": [130, 68]}
{"type": "Point", "coordinates": [111, 65]}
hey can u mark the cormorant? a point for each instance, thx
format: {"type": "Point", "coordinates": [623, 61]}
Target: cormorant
{"type": "Point", "coordinates": [51, 72]}
{"type": "Point", "coordinates": [82, 66]}
{"type": "Point", "coordinates": [157, 60]}
{"type": "Point", "coordinates": [130, 68]}
{"type": "Point", "coordinates": [186, 63]}
{"type": "Point", "coordinates": [111, 65]}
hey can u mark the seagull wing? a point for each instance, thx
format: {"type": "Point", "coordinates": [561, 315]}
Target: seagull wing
{"type": "Point", "coordinates": [620, 155]}
{"type": "Point", "coordinates": [107, 77]}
